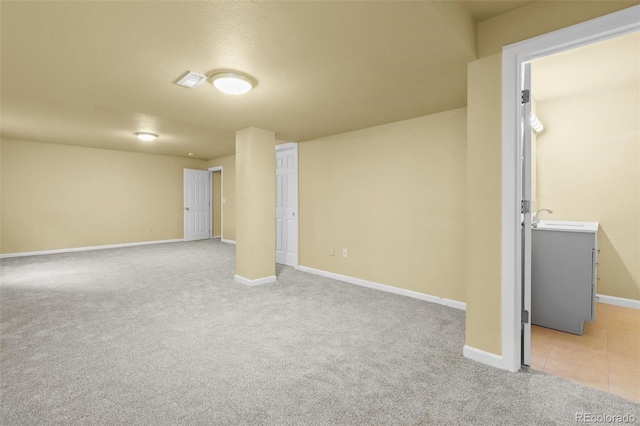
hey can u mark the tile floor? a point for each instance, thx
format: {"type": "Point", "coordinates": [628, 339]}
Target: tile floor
{"type": "Point", "coordinates": [605, 357]}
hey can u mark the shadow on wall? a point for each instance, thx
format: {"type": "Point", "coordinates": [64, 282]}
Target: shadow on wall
{"type": "Point", "coordinates": [610, 263]}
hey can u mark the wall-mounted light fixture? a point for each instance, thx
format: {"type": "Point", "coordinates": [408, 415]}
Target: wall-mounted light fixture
{"type": "Point", "coordinates": [146, 136]}
{"type": "Point", "coordinates": [536, 125]}
{"type": "Point", "coordinates": [233, 82]}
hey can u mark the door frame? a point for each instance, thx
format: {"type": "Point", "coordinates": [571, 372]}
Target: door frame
{"type": "Point", "coordinates": [286, 147]}
{"type": "Point", "coordinates": [525, 215]}
{"type": "Point", "coordinates": [513, 56]}
{"type": "Point", "coordinates": [211, 170]}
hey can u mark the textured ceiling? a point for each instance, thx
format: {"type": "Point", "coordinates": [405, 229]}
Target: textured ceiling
{"type": "Point", "coordinates": [93, 73]}
{"type": "Point", "coordinates": [484, 9]}
{"type": "Point", "coordinates": [587, 68]}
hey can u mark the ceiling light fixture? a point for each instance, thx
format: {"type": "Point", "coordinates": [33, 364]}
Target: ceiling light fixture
{"type": "Point", "coordinates": [145, 136]}
{"type": "Point", "coordinates": [232, 82]}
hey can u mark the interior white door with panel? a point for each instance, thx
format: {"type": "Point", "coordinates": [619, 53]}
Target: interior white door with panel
{"type": "Point", "coordinates": [197, 204]}
{"type": "Point", "coordinates": [287, 204]}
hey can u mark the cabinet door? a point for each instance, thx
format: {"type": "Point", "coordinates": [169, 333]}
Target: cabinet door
{"type": "Point", "coordinates": [562, 279]}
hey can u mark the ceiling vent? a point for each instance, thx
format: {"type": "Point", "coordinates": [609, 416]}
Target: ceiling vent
{"type": "Point", "coordinates": [191, 80]}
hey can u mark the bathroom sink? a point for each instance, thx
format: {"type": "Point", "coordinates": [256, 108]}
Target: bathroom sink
{"type": "Point", "coordinates": [556, 225]}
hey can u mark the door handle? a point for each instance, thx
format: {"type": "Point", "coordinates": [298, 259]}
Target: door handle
{"type": "Point", "coordinates": [294, 213]}
{"type": "Point", "coordinates": [186, 208]}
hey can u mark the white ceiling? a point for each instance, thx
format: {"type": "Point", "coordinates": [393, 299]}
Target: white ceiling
{"type": "Point", "coordinates": [93, 73]}
{"type": "Point", "coordinates": [588, 68]}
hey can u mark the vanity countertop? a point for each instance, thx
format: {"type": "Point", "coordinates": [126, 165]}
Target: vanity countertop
{"type": "Point", "coordinates": [567, 226]}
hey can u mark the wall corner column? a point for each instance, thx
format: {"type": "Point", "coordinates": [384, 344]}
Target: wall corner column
{"type": "Point", "coordinates": [255, 206]}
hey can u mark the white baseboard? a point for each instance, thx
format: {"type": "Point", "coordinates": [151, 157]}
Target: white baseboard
{"type": "Point", "coordinates": [259, 281]}
{"type": "Point", "coordinates": [482, 356]}
{"type": "Point", "coordinates": [216, 236]}
{"type": "Point", "coordinates": [618, 301]}
{"type": "Point", "coordinates": [227, 241]}
{"type": "Point", "coordinates": [383, 287]}
{"type": "Point", "coordinates": [70, 250]}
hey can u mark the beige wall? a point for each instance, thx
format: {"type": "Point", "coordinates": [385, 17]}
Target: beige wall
{"type": "Point", "coordinates": [60, 196]}
{"type": "Point", "coordinates": [484, 206]}
{"type": "Point", "coordinates": [394, 197]}
{"type": "Point", "coordinates": [216, 198]}
{"type": "Point", "coordinates": [228, 164]}
{"type": "Point", "coordinates": [589, 169]}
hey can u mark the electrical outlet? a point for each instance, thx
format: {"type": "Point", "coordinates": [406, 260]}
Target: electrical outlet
{"type": "Point", "coordinates": [344, 252]}
{"type": "Point", "coordinates": [332, 252]}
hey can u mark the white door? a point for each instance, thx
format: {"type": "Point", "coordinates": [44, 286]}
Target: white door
{"type": "Point", "coordinates": [197, 204]}
{"type": "Point", "coordinates": [526, 214]}
{"type": "Point", "coordinates": [287, 204]}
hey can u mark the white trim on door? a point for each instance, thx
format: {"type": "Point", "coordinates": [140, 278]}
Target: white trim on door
{"type": "Point", "coordinates": [211, 170]}
{"type": "Point", "coordinates": [513, 56]}
{"type": "Point", "coordinates": [286, 146]}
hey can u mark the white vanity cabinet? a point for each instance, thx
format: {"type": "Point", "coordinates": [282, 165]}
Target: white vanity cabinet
{"type": "Point", "coordinates": [564, 274]}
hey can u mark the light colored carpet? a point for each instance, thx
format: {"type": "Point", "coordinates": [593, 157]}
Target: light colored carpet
{"type": "Point", "coordinates": [162, 335]}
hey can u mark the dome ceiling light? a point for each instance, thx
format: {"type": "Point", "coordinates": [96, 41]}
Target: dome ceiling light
{"type": "Point", "coordinates": [146, 136]}
{"type": "Point", "coordinates": [233, 82]}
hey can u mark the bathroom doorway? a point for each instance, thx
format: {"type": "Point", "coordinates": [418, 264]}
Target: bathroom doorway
{"type": "Point", "coordinates": [586, 170]}
{"type": "Point", "coordinates": [514, 57]}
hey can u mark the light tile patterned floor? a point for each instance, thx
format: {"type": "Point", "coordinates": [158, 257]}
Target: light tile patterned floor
{"type": "Point", "coordinates": [605, 357]}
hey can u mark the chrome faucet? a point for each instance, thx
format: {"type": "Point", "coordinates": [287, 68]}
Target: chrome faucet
{"type": "Point", "coordinates": [536, 219]}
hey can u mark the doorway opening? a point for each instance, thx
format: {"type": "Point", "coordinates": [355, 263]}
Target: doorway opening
{"type": "Point", "coordinates": [587, 167]}
{"type": "Point", "coordinates": [516, 217]}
